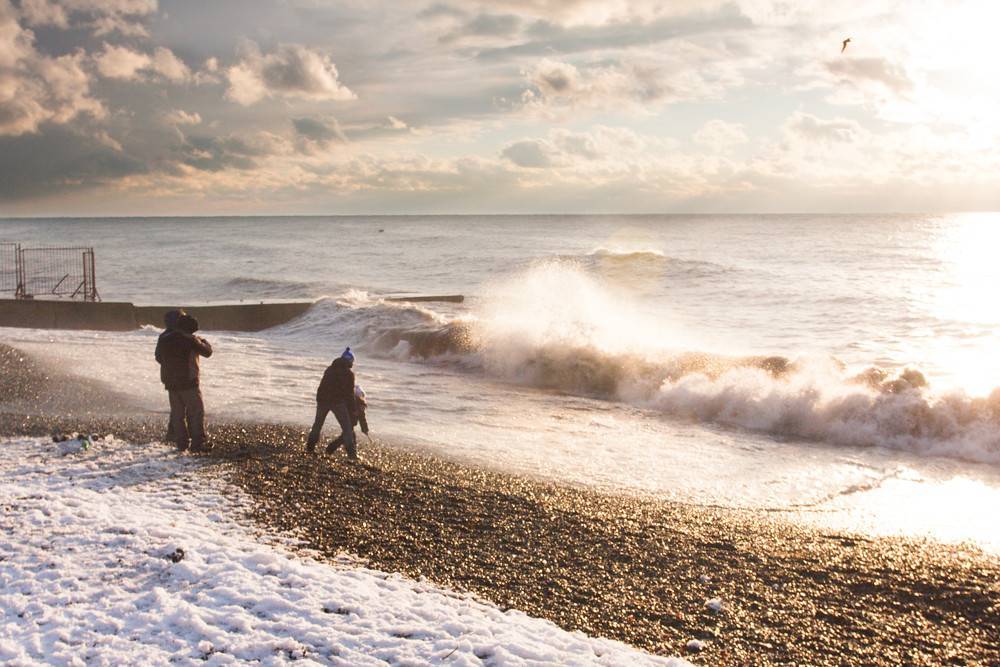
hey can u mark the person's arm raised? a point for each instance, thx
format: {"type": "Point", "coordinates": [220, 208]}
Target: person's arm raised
{"type": "Point", "coordinates": [202, 346]}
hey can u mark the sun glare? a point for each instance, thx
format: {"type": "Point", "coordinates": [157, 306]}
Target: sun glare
{"type": "Point", "coordinates": [967, 295]}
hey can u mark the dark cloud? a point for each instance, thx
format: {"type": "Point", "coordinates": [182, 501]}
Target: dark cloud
{"type": "Point", "coordinates": [485, 25]}
{"type": "Point", "coordinates": [209, 153]}
{"type": "Point", "coordinates": [58, 160]}
{"type": "Point", "coordinates": [531, 154]}
{"type": "Point", "coordinates": [546, 38]}
{"type": "Point", "coordinates": [313, 133]}
{"type": "Point", "coordinates": [440, 10]}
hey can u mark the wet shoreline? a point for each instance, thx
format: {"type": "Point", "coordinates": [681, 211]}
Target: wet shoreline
{"type": "Point", "coordinates": [633, 569]}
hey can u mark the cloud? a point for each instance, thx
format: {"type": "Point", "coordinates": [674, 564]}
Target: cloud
{"type": "Point", "coordinates": [565, 149]}
{"type": "Point", "coordinates": [35, 88]}
{"type": "Point", "coordinates": [440, 10]}
{"type": "Point", "coordinates": [84, 162]}
{"type": "Point", "coordinates": [616, 30]}
{"type": "Point", "coordinates": [718, 135]}
{"type": "Point", "coordinates": [530, 153]}
{"type": "Point", "coordinates": [484, 25]}
{"type": "Point", "coordinates": [44, 12]}
{"type": "Point", "coordinates": [102, 17]}
{"type": "Point", "coordinates": [556, 85]}
{"type": "Point", "coordinates": [214, 154]}
{"type": "Point", "coordinates": [120, 62]}
{"type": "Point", "coordinates": [181, 117]}
{"type": "Point", "coordinates": [870, 70]}
{"type": "Point", "coordinates": [169, 66]}
{"type": "Point", "coordinates": [314, 134]}
{"type": "Point", "coordinates": [807, 127]}
{"type": "Point", "coordinates": [290, 71]}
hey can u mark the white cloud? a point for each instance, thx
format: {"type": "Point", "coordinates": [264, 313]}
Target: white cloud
{"type": "Point", "coordinates": [559, 85]}
{"type": "Point", "coordinates": [170, 66]}
{"type": "Point", "coordinates": [102, 17]}
{"type": "Point", "coordinates": [35, 88]}
{"type": "Point", "coordinates": [44, 12]}
{"type": "Point", "coordinates": [181, 117]}
{"type": "Point", "coordinates": [290, 71]}
{"type": "Point", "coordinates": [807, 127]}
{"type": "Point", "coordinates": [120, 62]}
{"type": "Point", "coordinates": [718, 135]}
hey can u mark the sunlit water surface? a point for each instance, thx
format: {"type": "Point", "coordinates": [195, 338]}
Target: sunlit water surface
{"type": "Point", "coordinates": [607, 351]}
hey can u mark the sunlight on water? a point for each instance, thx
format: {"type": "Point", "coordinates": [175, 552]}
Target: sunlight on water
{"type": "Point", "coordinates": [954, 509]}
{"type": "Point", "coordinates": [747, 361]}
{"type": "Point", "coordinates": [969, 250]}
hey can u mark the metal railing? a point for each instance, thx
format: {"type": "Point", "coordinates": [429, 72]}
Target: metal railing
{"type": "Point", "coordinates": [42, 272]}
{"type": "Point", "coordinates": [8, 267]}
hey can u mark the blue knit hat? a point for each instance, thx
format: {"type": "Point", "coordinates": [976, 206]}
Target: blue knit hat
{"type": "Point", "coordinates": [348, 355]}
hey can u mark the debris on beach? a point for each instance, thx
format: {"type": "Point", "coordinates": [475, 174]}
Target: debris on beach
{"type": "Point", "coordinates": [714, 605]}
{"type": "Point", "coordinates": [694, 646]}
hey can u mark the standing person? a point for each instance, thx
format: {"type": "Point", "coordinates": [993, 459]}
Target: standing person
{"type": "Point", "coordinates": [336, 394]}
{"type": "Point", "coordinates": [177, 351]}
{"type": "Point", "coordinates": [360, 417]}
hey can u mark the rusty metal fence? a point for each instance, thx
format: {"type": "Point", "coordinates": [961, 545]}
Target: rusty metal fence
{"type": "Point", "coordinates": [48, 272]}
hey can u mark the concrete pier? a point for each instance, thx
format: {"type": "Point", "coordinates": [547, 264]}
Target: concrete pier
{"type": "Point", "coordinates": [123, 316]}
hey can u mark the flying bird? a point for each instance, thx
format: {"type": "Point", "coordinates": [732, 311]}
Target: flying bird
{"type": "Point", "coordinates": [846, 42]}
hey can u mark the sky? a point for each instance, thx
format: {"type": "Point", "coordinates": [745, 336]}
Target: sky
{"type": "Point", "coordinates": [238, 107]}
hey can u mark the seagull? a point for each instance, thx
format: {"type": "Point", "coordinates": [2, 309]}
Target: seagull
{"type": "Point", "coordinates": [846, 42]}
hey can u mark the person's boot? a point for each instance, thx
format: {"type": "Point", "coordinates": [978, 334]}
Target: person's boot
{"type": "Point", "coordinates": [334, 444]}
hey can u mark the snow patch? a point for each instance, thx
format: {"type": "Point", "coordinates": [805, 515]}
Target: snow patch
{"type": "Point", "coordinates": [127, 554]}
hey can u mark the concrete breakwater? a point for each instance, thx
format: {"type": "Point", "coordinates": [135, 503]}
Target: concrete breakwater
{"type": "Point", "coordinates": [124, 316]}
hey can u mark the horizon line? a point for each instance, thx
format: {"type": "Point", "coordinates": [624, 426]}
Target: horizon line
{"type": "Point", "coordinates": [482, 215]}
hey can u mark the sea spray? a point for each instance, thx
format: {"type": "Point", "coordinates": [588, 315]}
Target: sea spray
{"type": "Point", "coordinates": [555, 326]}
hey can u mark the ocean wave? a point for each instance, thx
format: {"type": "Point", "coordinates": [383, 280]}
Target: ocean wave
{"type": "Point", "coordinates": [632, 265]}
{"type": "Point", "coordinates": [554, 327]}
{"type": "Point", "coordinates": [266, 288]}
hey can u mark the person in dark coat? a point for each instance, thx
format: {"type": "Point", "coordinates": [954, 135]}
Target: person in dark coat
{"type": "Point", "coordinates": [177, 352]}
{"type": "Point", "coordinates": [336, 394]}
{"type": "Point", "coordinates": [360, 417]}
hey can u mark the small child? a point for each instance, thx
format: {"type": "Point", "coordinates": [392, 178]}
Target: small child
{"type": "Point", "coordinates": [358, 417]}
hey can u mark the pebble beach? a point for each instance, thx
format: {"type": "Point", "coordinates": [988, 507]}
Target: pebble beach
{"type": "Point", "coordinates": [719, 585]}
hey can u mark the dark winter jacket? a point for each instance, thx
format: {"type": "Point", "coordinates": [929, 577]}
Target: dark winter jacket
{"type": "Point", "coordinates": [337, 385]}
{"type": "Point", "coordinates": [178, 352]}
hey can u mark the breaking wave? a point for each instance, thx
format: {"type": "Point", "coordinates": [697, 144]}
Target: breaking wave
{"type": "Point", "coordinates": [634, 266]}
{"type": "Point", "coordinates": [556, 327]}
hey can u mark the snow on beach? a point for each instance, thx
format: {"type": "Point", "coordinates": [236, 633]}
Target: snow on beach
{"type": "Point", "coordinates": [129, 554]}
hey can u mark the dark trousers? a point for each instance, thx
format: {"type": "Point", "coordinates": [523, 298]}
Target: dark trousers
{"type": "Point", "coordinates": [343, 415]}
{"type": "Point", "coordinates": [187, 417]}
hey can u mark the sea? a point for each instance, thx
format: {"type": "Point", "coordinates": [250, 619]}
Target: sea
{"type": "Point", "coordinates": [839, 370]}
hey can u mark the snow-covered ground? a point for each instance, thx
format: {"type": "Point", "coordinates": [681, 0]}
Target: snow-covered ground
{"type": "Point", "coordinates": [127, 554]}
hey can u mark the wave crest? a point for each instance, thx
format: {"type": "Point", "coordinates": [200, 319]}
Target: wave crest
{"type": "Point", "coordinates": [556, 327]}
